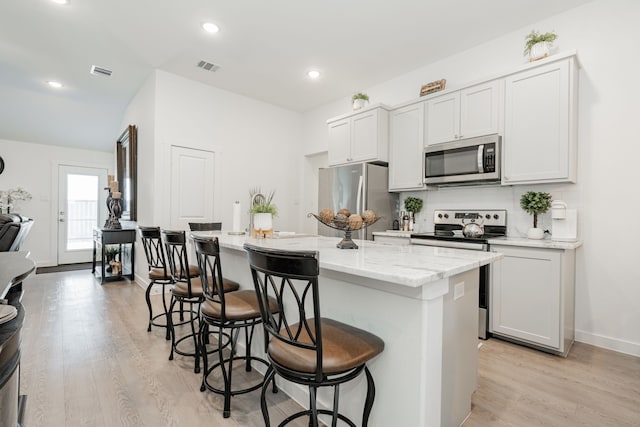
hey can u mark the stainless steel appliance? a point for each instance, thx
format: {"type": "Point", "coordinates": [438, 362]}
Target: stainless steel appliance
{"type": "Point", "coordinates": [448, 226]}
{"type": "Point", "coordinates": [467, 161]}
{"type": "Point", "coordinates": [357, 187]}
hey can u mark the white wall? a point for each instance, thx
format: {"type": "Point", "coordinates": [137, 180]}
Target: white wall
{"type": "Point", "coordinates": [605, 34]}
{"type": "Point", "coordinates": [35, 168]}
{"type": "Point", "coordinates": [255, 145]}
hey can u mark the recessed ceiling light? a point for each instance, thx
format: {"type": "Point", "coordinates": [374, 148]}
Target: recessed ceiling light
{"type": "Point", "coordinates": [313, 74]}
{"type": "Point", "coordinates": [210, 27]}
{"type": "Point", "coordinates": [60, 1]}
{"type": "Point", "coordinates": [54, 84]}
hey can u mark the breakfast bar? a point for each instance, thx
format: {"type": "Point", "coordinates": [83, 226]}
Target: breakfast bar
{"type": "Point", "coordinates": [422, 301]}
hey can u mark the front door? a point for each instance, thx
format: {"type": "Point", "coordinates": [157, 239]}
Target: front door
{"type": "Point", "coordinates": [81, 207]}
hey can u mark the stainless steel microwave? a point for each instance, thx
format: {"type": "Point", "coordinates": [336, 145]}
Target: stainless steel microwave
{"type": "Point", "coordinates": [467, 161]}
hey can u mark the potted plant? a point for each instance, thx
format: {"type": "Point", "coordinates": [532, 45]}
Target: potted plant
{"type": "Point", "coordinates": [537, 45]}
{"type": "Point", "coordinates": [110, 253]}
{"type": "Point", "coordinates": [535, 202]}
{"type": "Point", "coordinates": [263, 211]}
{"type": "Point", "coordinates": [359, 100]}
{"type": "Point", "coordinates": [413, 205]}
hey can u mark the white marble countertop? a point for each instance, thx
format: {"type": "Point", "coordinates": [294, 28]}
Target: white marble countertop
{"type": "Point", "coordinates": [546, 243]}
{"type": "Point", "coordinates": [410, 265]}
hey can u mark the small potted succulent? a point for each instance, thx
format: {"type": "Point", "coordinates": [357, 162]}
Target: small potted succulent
{"type": "Point", "coordinates": [360, 100]}
{"type": "Point", "coordinates": [263, 211]}
{"type": "Point", "coordinates": [537, 45]}
{"type": "Point", "coordinates": [110, 253]}
{"type": "Point", "coordinates": [535, 203]}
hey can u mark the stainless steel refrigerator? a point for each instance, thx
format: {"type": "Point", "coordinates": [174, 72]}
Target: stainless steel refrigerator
{"type": "Point", "coordinates": [357, 187]}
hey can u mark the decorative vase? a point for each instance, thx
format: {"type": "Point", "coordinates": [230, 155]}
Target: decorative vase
{"type": "Point", "coordinates": [535, 233]}
{"type": "Point", "coordinates": [539, 51]}
{"type": "Point", "coordinates": [359, 103]}
{"type": "Point", "coordinates": [262, 224]}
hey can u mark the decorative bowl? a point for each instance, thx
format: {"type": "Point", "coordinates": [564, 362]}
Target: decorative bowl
{"type": "Point", "coordinates": [346, 242]}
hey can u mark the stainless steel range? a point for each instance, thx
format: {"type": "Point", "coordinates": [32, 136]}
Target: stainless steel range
{"type": "Point", "coordinates": [448, 233]}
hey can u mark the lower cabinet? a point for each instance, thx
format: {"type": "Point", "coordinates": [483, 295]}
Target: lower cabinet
{"type": "Point", "coordinates": [532, 297]}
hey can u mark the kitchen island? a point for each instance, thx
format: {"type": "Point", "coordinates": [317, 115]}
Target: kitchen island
{"type": "Point", "coordinates": [422, 301]}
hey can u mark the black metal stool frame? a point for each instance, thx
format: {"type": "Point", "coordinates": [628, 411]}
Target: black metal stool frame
{"type": "Point", "coordinates": [176, 250]}
{"type": "Point", "coordinates": [154, 251]}
{"type": "Point", "coordinates": [277, 272]}
{"type": "Point", "coordinates": [208, 254]}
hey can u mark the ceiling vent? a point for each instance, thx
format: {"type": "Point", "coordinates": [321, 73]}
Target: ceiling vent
{"type": "Point", "coordinates": [95, 70]}
{"type": "Point", "coordinates": [208, 66]}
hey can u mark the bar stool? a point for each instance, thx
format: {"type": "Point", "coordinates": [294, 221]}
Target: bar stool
{"type": "Point", "coordinates": [158, 272]}
{"type": "Point", "coordinates": [187, 289]}
{"type": "Point", "coordinates": [231, 312]}
{"type": "Point", "coordinates": [205, 226]}
{"type": "Point", "coordinates": [303, 347]}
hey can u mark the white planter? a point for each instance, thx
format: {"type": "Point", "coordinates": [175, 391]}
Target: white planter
{"type": "Point", "coordinates": [359, 103]}
{"type": "Point", "coordinates": [535, 233]}
{"type": "Point", "coordinates": [262, 221]}
{"type": "Point", "coordinates": [539, 51]}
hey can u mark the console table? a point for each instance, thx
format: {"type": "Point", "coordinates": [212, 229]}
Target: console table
{"type": "Point", "coordinates": [125, 238]}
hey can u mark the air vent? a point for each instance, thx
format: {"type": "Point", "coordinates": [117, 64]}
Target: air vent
{"type": "Point", "coordinates": [208, 66]}
{"type": "Point", "coordinates": [95, 70]}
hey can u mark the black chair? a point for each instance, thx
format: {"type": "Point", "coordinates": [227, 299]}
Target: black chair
{"type": "Point", "coordinates": [205, 226]}
{"type": "Point", "coordinates": [232, 312]}
{"type": "Point", "coordinates": [187, 289]}
{"type": "Point", "coordinates": [13, 230]}
{"type": "Point", "coordinates": [159, 272]}
{"type": "Point", "coordinates": [303, 347]}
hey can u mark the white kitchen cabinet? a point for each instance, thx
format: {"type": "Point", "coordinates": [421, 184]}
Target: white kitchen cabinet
{"type": "Point", "coordinates": [359, 137]}
{"type": "Point", "coordinates": [540, 136]}
{"type": "Point", "coordinates": [473, 111]}
{"type": "Point", "coordinates": [532, 297]}
{"type": "Point", "coordinates": [406, 140]}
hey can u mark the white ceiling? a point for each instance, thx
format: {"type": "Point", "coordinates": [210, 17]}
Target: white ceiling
{"type": "Point", "coordinates": [264, 49]}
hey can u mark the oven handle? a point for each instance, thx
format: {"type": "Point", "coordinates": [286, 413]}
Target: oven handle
{"type": "Point", "coordinates": [481, 158]}
{"type": "Point", "coordinates": [449, 244]}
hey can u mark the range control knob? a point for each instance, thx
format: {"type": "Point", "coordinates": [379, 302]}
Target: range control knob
{"type": "Point", "coordinates": [440, 216]}
{"type": "Point", "coordinates": [446, 215]}
{"type": "Point", "coordinates": [487, 216]}
{"type": "Point", "coordinates": [496, 216]}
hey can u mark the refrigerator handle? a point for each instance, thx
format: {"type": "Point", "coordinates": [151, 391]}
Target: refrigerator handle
{"type": "Point", "coordinates": [359, 196]}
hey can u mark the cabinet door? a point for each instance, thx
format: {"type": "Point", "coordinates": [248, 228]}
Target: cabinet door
{"type": "Point", "coordinates": [526, 295]}
{"type": "Point", "coordinates": [364, 136]}
{"type": "Point", "coordinates": [481, 109]}
{"type": "Point", "coordinates": [443, 118]}
{"type": "Point", "coordinates": [405, 148]}
{"type": "Point", "coordinates": [536, 146]}
{"type": "Point", "coordinates": [339, 144]}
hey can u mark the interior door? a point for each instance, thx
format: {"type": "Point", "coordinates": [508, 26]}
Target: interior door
{"type": "Point", "coordinates": [192, 186]}
{"type": "Point", "coordinates": [81, 207]}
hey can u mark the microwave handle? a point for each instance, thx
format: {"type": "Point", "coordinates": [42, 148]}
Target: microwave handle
{"type": "Point", "coordinates": [481, 158]}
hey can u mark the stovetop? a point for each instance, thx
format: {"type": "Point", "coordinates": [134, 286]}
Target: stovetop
{"type": "Point", "coordinates": [448, 225]}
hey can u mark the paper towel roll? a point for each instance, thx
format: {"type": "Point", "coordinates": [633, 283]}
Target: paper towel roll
{"type": "Point", "coordinates": [236, 217]}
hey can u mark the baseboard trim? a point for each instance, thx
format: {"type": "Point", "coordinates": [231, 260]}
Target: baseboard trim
{"type": "Point", "coordinates": [615, 344]}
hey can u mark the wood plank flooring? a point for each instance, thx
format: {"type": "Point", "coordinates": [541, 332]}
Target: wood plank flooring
{"type": "Point", "coordinates": [88, 361]}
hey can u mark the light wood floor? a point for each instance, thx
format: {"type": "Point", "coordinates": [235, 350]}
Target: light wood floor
{"type": "Point", "coordinates": [88, 361]}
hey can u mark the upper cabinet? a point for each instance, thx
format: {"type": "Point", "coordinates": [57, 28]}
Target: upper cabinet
{"type": "Point", "coordinates": [540, 137]}
{"type": "Point", "coordinates": [406, 139]}
{"type": "Point", "coordinates": [470, 112]}
{"type": "Point", "coordinates": [359, 137]}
